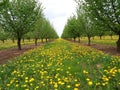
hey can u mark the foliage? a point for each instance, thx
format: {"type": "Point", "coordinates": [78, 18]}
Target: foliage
{"type": "Point", "coordinates": [105, 13]}
{"type": "Point", "coordinates": [18, 16]}
{"type": "Point", "coordinates": [3, 35]}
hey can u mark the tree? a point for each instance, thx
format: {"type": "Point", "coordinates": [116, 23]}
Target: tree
{"type": "Point", "coordinates": [110, 33]}
{"type": "Point", "coordinates": [65, 32]}
{"type": "Point", "coordinates": [100, 32]}
{"type": "Point", "coordinates": [3, 35]}
{"type": "Point", "coordinates": [72, 27]}
{"type": "Point", "coordinates": [80, 25]}
{"type": "Point", "coordinates": [38, 28]}
{"type": "Point", "coordinates": [107, 13]}
{"type": "Point", "coordinates": [89, 30]}
{"type": "Point", "coordinates": [18, 16]}
{"type": "Point", "coordinates": [48, 30]}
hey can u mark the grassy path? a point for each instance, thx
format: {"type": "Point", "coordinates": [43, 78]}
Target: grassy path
{"type": "Point", "coordinates": [61, 65]}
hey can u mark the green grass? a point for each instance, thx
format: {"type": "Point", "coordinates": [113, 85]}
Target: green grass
{"type": "Point", "coordinates": [106, 40]}
{"type": "Point", "coordinates": [9, 44]}
{"type": "Point", "coordinates": [61, 65]}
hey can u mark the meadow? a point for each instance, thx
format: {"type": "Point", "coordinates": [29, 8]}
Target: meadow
{"type": "Point", "coordinates": [106, 40]}
{"type": "Point", "coordinates": [61, 65]}
{"type": "Point", "coordinates": [9, 43]}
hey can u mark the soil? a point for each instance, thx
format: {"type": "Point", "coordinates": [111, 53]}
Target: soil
{"type": "Point", "coordinates": [9, 54]}
{"type": "Point", "coordinates": [105, 48]}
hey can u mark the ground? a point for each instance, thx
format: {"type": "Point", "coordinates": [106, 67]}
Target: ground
{"type": "Point", "coordinates": [8, 54]}
{"type": "Point", "coordinates": [106, 49]}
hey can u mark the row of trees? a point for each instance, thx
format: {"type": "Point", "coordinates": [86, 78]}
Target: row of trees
{"type": "Point", "coordinates": [20, 18]}
{"type": "Point", "coordinates": [94, 18]}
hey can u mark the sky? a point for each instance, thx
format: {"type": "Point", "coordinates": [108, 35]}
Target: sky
{"type": "Point", "coordinates": [58, 11]}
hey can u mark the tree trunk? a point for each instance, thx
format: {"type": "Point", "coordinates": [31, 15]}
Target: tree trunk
{"type": "Point", "coordinates": [29, 39]}
{"type": "Point", "coordinates": [36, 41]}
{"type": "Point", "coordinates": [74, 39]}
{"type": "Point", "coordinates": [78, 39]}
{"type": "Point", "coordinates": [118, 44]}
{"type": "Point", "coordinates": [19, 43]}
{"type": "Point", "coordinates": [46, 39]}
{"type": "Point", "coordinates": [13, 40]}
{"type": "Point", "coordinates": [111, 37]}
{"type": "Point", "coordinates": [42, 40]}
{"type": "Point", "coordinates": [100, 37]}
{"type": "Point", "coordinates": [23, 40]}
{"type": "Point", "coordinates": [89, 41]}
{"type": "Point", "coordinates": [3, 41]}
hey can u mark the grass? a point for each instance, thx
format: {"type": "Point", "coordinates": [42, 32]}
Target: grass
{"type": "Point", "coordinates": [61, 65]}
{"type": "Point", "coordinates": [9, 44]}
{"type": "Point", "coordinates": [106, 40]}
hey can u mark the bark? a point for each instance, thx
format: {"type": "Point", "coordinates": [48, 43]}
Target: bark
{"type": "Point", "coordinates": [111, 37]}
{"type": "Point", "coordinates": [3, 41]}
{"type": "Point", "coordinates": [13, 40]}
{"type": "Point", "coordinates": [36, 41]}
{"type": "Point", "coordinates": [23, 40]}
{"type": "Point", "coordinates": [19, 43]}
{"type": "Point", "coordinates": [74, 39]}
{"type": "Point", "coordinates": [29, 39]}
{"type": "Point", "coordinates": [42, 40]}
{"type": "Point", "coordinates": [89, 41]}
{"type": "Point", "coordinates": [118, 44]}
{"type": "Point", "coordinates": [46, 39]}
{"type": "Point", "coordinates": [100, 37]}
{"type": "Point", "coordinates": [78, 39]}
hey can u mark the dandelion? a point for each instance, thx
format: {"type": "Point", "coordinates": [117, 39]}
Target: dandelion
{"type": "Point", "coordinates": [77, 85]}
{"type": "Point", "coordinates": [87, 79]}
{"type": "Point", "coordinates": [56, 85]}
{"type": "Point", "coordinates": [85, 72]}
{"type": "Point", "coordinates": [97, 84]}
{"type": "Point", "coordinates": [31, 80]}
{"type": "Point", "coordinates": [8, 85]}
{"type": "Point", "coordinates": [90, 83]}
{"type": "Point", "coordinates": [76, 89]}
{"type": "Point", "coordinates": [16, 85]}
{"type": "Point", "coordinates": [68, 86]}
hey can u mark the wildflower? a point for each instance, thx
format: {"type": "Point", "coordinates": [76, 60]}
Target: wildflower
{"type": "Point", "coordinates": [68, 86]}
{"type": "Point", "coordinates": [90, 83]}
{"type": "Point", "coordinates": [31, 80]}
{"type": "Point", "coordinates": [85, 72]}
{"type": "Point", "coordinates": [77, 85]}
{"type": "Point", "coordinates": [56, 85]}
{"type": "Point", "coordinates": [87, 79]}
{"type": "Point", "coordinates": [8, 85]}
{"type": "Point", "coordinates": [16, 85]}
{"type": "Point", "coordinates": [76, 89]}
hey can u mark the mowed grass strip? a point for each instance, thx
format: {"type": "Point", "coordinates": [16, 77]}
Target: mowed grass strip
{"type": "Point", "coordinates": [61, 65]}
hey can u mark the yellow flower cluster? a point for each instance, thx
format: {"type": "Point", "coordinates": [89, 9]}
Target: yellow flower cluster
{"type": "Point", "coordinates": [60, 65]}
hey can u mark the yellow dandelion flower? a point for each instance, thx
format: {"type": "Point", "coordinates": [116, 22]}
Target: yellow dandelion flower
{"type": "Point", "coordinates": [90, 83]}
{"type": "Point", "coordinates": [76, 89]}
{"type": "Point", "coordinates": [31, 80]}
{"type": "Point", "coordinates": [97, 84]}
{"type": "Point", "coordinates": [85, 72]}
{"type": "Point", "coordinates": [87, 79]}
{"type": "Point", "coordinates": [103, 84]}
{"type": "Point", "coordinates": [56, 85]}
{"type": "Point", "coordinates": [77, 85]}
{"type": "Point", "coordinates": [16, 85]}
{"type": "Point", "coordinates": [68, 86]}
{"type": "Point", "coordinates": [8, 85]}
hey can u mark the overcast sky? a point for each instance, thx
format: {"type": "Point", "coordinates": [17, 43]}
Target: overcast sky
{"type": "Point", "coordinates": [58, 11]}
